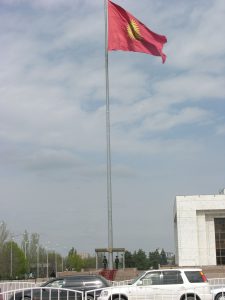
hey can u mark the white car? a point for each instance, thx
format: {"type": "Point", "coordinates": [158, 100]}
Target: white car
{"type": "Point", "coordinates": [164, 284]}
{"type": "Point", "coordinates": [218, 292]}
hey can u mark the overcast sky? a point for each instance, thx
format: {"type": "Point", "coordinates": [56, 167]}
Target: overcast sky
{"type": "Point", "coordinates": [167, 120]}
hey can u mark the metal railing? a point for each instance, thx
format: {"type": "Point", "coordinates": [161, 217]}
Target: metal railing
{"type": "Point", "coordinates": [42, 293]}
{"type": "Point", "coordinates": [15, 285]}
{"type": "Point", "coordinates": [216, 281]}
{"type": "Point", "coordinates": [119, 283]}
{"type": "Point", "coordinates": [118, 291]}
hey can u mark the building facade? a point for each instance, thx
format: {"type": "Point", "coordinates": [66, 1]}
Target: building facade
{"type": "Point", "coordinates": [199, 230]}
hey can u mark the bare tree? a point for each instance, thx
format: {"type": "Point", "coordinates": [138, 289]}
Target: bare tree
{"type": "Point", "coordinates": [4, 233]}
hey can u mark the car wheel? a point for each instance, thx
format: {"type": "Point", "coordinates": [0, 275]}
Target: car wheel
{"type": "Point", "coordinates": [220, 296]}
{"type": "Point", "coordinates": [190, 298]}
{"type": "Point", "coordinates": [120, 298]}
{"type": "Point", "coordinates": [25, 298]}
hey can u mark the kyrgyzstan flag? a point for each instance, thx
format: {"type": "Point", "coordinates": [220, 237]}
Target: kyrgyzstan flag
{"type": "Point", "coordinates": [127, 33]}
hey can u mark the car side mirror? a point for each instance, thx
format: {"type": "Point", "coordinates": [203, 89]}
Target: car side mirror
{"type": "Point", "coordinates": [147, 281]}
{"type": "Point", "coordinates": [140, 282]}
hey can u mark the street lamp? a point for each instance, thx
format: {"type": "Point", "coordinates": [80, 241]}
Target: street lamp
{"type": "Point", "coordinates": [47, 264]}
{"type": "Point", "coordinates": [55, 263]}
{"type": "Point", "coordinates": [56, 260]}
{"type": "Point", "coordinates": [37, 260]}
{"type": "Point", "coordinates": [11, 257]}
{"type": "Point", "coordinates": [56, 257]}
{"type": "Point", "coordinates": [62, 263]}
{"type": "Point", "coordinates": [25, 248]}
{"type": "Point", "coordinates": [62, 259]}
{"type": "Point", "coordinates": [11, 253]}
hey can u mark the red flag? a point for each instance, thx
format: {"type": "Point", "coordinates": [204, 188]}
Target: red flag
{"type": "Point", "coordinates": [127, 33]}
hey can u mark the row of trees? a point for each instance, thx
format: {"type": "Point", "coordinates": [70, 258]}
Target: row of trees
{"type": "Point", "coordinates": [32, 259]}
{"type": "Point", "coordinates": [142, 261]}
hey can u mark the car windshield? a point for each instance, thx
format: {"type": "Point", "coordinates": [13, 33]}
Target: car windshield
{"type": "Point", "coordinates": [137, 278]}
{"type": "Point", "coordinates": [54, 283]}
{"type": "Point", "coordinates": [105, 282]}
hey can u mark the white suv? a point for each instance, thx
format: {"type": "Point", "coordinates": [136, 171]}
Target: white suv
{"type": "Point", "coordinates": [164, 284]}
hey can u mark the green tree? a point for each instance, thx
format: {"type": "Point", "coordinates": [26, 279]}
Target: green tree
{"type": "Point", "coordinates": [4, 236]}
{"type": "Point", "coordinates": [163, 258]}
{"type": "Point", "coordinates": [89, 262]}
{"type": "Point", "coordinates": [33, 247]}
{"type": "Point", "coordinates": [4, 233]}
{"type": "Point", "coordinates": [74, 261]}
{"type": "Point", "coordinates": [14, 265]}
{"type": "Point", "coordinates": [140, 260]}
{"type": "Point", "coordinates": [42, 261]}
{"type": "Point", "coordinates": [51, 261]}
{"type": "Point", "coordinates": [129, 260]}
{"type": "Point", "coordinates": [25, 243]}
{"type": "Point", "coordinates": [154, 259]}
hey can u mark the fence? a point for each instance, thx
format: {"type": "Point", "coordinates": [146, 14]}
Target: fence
{"type": "Point", "coordinates": [119, 283]}
{"type": "Point", "coordinates": [217, 281]}
{"type": "Point", "coordinates": [133, 293]}
{"type": "Point", "coordinates": [42, 293]}
{"type": "Point", "coordinates": [15, 285]}
{"type": "Point", "coordinates": [21, 290]}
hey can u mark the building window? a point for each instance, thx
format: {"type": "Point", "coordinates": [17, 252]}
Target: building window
{"type": "Point", "coordinates": [220, 240]}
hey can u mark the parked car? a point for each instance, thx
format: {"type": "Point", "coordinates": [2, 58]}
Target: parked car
{"type": "Point", "coordinates": [218, 292]}
{"type": "Point", "coordinates": [55, 289]}
{"type": "Point", "coordinates": [174, 284]}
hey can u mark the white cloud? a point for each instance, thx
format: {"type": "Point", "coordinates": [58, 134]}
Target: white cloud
{"type": "Point", "coordinates": [200, 39]}
{"type": "Point", "coordinates": [221, 130]}
{"type": "Point", "coordinates": [191, 87]}
{"type": "Point", "coordinates": [165, 121]}
{"type": "Point", "coordinates": [52, 114]}
{"type": "Point", "coordinates": [42, 3]}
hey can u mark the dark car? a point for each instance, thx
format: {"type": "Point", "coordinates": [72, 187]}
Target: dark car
{"type": "Point", "coordinates": [54, 289]}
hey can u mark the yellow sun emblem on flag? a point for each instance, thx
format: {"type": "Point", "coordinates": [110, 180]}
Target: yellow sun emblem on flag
{"type": "Point", "coordinates": [133, 30]}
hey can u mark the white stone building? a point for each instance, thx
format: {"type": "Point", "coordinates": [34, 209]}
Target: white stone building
{"type": "Point", "coordinates": [199, 230]}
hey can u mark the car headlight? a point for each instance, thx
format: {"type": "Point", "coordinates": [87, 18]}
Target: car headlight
{"type": "Point", "coordinates": [104, 293]}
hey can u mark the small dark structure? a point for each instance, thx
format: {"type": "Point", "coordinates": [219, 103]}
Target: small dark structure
{"type": "Point", "coordinates": [102, 253]}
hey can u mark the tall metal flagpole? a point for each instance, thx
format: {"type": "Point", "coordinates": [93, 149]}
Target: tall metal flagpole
{"type": "Point", "coordinates": [109, 185]}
